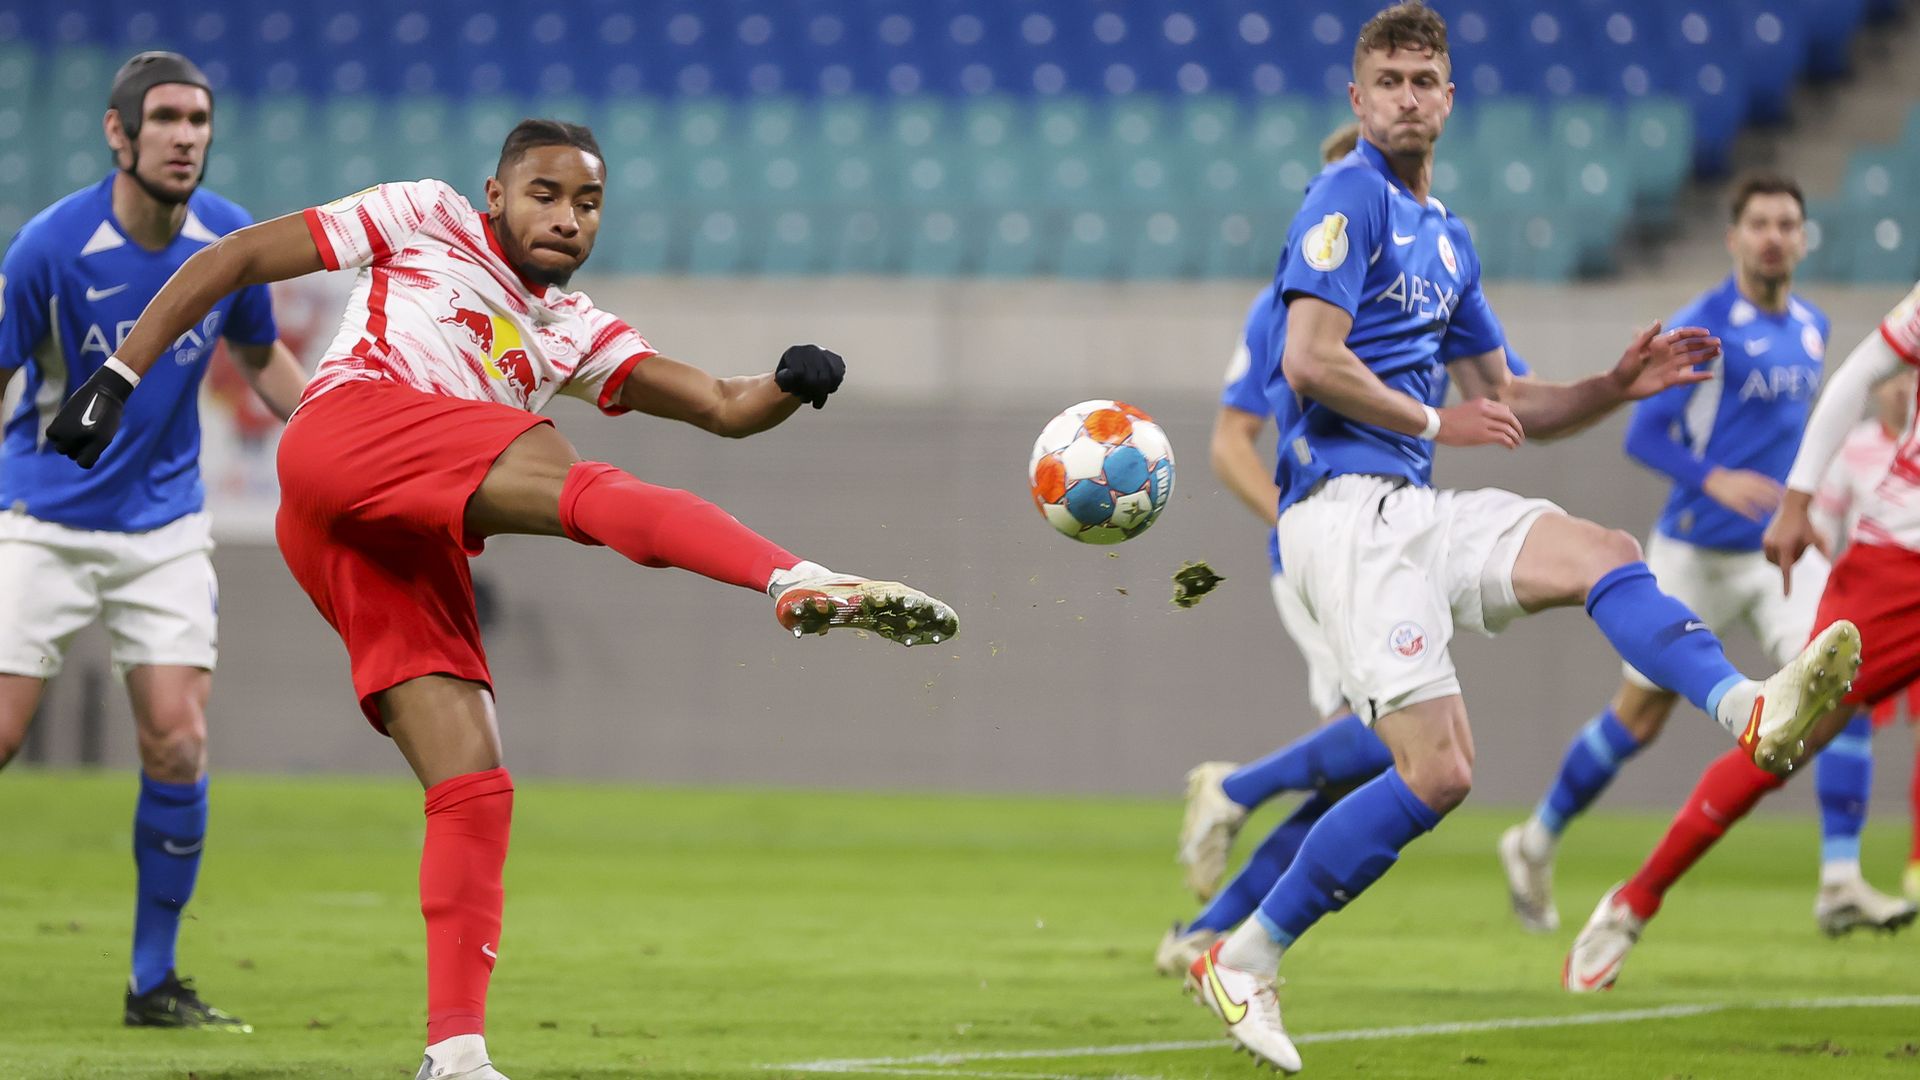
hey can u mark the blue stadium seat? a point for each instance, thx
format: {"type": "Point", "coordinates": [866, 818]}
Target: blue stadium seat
{"type": "Point", "coordinates": [1774, 47]}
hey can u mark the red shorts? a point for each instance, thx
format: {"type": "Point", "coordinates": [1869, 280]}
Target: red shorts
{"type": "Point", "coordinates": [1878, 587]}
{"type": "Point", "coordinates": [374, 483]}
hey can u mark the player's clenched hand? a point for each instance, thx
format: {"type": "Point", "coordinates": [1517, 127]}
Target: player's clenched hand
{"type": "Point", "coordinates": [1750, 494]}
{"type": "Point", "coordinates": [86, 423]}
{"type": "Point", "coordinates": [1789, 536]}
{"type": "Point", "coordinates": [1481, 422]}
{"type": "Point", "coordinates": [810, 373]}
{"type": "Point", "coordinates": [1656, 361]}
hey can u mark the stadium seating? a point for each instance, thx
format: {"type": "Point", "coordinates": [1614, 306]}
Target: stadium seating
{"type": "Point", "coordinates": [1153, 138]}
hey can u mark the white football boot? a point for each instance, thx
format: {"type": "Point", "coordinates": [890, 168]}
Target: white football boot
{"type": "Point", "coordinates": [1178, 951]}
{"type": "Point", "coordinates": [1594, 961]}
{"type": "Point", "coordinates": [1249, 1005]}
{"type": "Point", "coordinates": [1786, 706]}
{"type": "Point", "coordinates": [894, 611]}
{"type": "Point", "coordinates": [462, 1057]}
{"type": "Point", "coordinates": [1206, 833]}
{"type": "Point", "coordinates": [1529, 884]}
{"type": "Point", "coordinates": [1851, 905]}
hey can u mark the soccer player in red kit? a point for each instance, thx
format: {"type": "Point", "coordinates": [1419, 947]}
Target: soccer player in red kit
{"type": "Point", "coordinates": [417, 440]}
{"type": "Point", "coordinates": [1875, 584]}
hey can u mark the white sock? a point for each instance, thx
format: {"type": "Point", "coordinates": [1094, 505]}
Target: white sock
{"type": "Point", "coordinates": [1251, 950]}
{"type": "Point", "coordinates": [1839, 872]}
{"type": "Point", "coordinates": [1536, 841]}
{"type": "Point", "coordinates": [457, 1054]}
{"type": "Point", "coordinates": [1736, 706]}
{"type": "Point", "coordinates": [800, 571]}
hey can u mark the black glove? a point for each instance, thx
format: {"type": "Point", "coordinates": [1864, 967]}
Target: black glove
{"type": "Point", "coordinates": [86, 423]}
{"type": "Point", "coordinates": [810, 373]}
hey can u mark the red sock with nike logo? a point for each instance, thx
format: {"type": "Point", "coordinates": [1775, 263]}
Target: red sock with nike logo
{"type": "Point", "coordinates": [1730, 787]}
{"type": "Point", "coordinates": [468, 818]}
{"type": "Point", "coordinates": [657, 526]}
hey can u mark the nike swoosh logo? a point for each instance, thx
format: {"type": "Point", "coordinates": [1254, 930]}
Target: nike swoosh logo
{"type": "Point", "coordinates": [1752, 734]}
{"type": "Point", "coordinates": [94, 294]}
{"type": "Point", "coordinates": [87, 419]}
{"type": "Point", "coordinates": [1230, 1010]}
{"type": "Point", "coordinates": [1756, 347]}
{"type": "Point", "coordinates": [488, 949]}
{"type": "Point", "coordinates": [1694, 624]}
{"type": "Point", "coordinates": [172, 848]}
{"type": "Point", "coordinates": [1401, 241]}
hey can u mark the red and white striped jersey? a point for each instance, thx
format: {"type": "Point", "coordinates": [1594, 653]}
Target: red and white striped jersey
{"type": "Point", "coordinates": [439, 308]}
{"type": "Point", "coordinates": [1890, 513]}
{"type": "Point", "coordinates": [1855, 472]}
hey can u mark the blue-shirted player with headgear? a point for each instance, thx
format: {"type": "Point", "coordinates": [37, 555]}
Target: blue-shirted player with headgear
{"type": "Point", "coordinates": [127, 542]}
{"type": "Point", "coordinates": [1378, 282]}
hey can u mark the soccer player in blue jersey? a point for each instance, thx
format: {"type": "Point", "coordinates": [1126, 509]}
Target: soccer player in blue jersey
{"type": "Point", "coordinates": [127, 542]}
{"type": "Point", "coordinates": [1378, 283]}
{"type": "Point", "coordinates": [1727, 446]}
{"type": "Point", "coordinates": [1342, 752]}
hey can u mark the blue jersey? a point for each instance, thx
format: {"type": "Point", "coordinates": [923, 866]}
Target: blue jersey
{"type": "Point", "coordinates": [1751, 416]}
{"type": "Point", "coordinates": [73, 285]}
{"type": "Point", "coordinates": [1256, 368]}
{"type": "Point", "coordinates": [1408, 274]}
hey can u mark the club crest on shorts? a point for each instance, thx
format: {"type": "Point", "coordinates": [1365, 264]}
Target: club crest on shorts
{"type": "Point", "coordinates": [1325, 245]}
{"type": "Point", "coordinates": [1407, 640]}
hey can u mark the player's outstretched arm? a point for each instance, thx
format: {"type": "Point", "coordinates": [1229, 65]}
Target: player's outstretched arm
{"type": "Point", "coordinates": [1845, 400]}
{"type": "Point", "coordinates": [256, 255]}
{"type": "Point", "coordinates": [1238, 463]}
{"type": "Point", "coordinates": [274, 374]}
{"type": "Point", "coordinates": [739, 406]}
{"type": "Point", "coordinates": [1319, 365]}
{"type": "Point", "coordinates": [1653, 361]}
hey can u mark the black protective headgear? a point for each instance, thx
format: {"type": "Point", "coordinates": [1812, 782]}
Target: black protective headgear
{"type": "Point", "coordinates": [129, 97]}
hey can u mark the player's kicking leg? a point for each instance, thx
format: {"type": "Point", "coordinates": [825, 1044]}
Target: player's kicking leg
{"type": "Point", "coordinates": [1632, 720]}
{"type": "Point", "coordinates": [541, 486]}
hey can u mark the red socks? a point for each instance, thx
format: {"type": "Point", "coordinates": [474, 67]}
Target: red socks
{"type": "Point", "coordinates": [461, 895]}
{"type": "Point", "coordinates": [656, 526]}
{"type": "Point", "coordinates": [1730, 787]}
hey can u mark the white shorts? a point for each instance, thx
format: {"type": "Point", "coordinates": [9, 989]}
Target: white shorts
{"type": "Point", "coordinates": [1323, 684]}
{"type": "Point", "coordinates": [1738, 589]}
{"type": "Point", "coordinates": [1389, 569]}
{"type": "Point", "coordinates": [155, 591]}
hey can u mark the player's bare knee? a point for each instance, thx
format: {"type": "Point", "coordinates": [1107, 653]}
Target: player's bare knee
{"type": "Point", "coordinates": [1442, 780]}
{"type": "Point", "coordinates": [173, 746]}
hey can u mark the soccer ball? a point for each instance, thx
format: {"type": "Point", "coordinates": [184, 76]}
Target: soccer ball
{"type": "Point", "coordinates": [1101, 472]}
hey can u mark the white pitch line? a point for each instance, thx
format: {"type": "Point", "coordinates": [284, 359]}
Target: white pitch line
{"type": "Point", "coordinates": [899, 1065]}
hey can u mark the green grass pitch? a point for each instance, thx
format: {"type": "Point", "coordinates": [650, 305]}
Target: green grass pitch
{"type": "Point", "coordinates": [724, 933]}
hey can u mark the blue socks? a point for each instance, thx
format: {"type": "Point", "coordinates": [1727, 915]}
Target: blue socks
{"type": "Point", "coordinates": [1340, 752]}
{"type": "Point", "coordinates": [1593, 758]}
{"type": "Point", "coordinates": [1233, 904]}
{"type": "Point", "coordinates": [1358, 840]}
{"type": "Point", "coordinates": [169, 825]}
{"type": "Point", "coordinates": [1661, 638]}
{"type": "Point", "coordinates": [1844, 781]}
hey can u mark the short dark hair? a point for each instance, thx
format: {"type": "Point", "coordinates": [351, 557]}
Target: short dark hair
{"type": "Point", "coordinates": [1762, 183]}
{"type": "Point", "coordinates": [1411, 25]}
{"type": "Point", "coordinates": [530, 133]}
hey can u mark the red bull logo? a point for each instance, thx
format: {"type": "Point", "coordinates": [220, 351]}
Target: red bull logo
{"type": "Point", "coordinates": [477, 324]}
{"type": "Point", "coordinates": [500, 347]}
{"type": "Point", "coordinates": [518, 371]}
